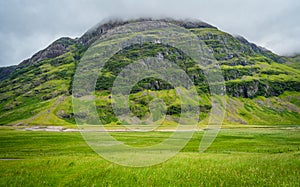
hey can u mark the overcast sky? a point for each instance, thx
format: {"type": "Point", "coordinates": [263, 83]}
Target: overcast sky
{"type": "Point", "coordinates": [27, 26]}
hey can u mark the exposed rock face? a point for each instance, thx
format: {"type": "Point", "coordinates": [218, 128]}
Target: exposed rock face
{"type": "Point", "coordinates": [56, 49]}
{"type": "Point", "coordinates": [262, 50]}
{"type": "Point", "coordinates": [247, 89]}
{"type": "Point", "coordinates": [27, 91]}
{"type": "Point", "coordinates": [93, 34]}
{"type": "Point", "coordinates": [253, 88]}
{"type": "Point", "coordinates": [233, 50]}
{"type": "Point", "coordinates": [61, 45]}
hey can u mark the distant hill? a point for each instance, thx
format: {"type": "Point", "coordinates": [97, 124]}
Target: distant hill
{"type": "Point", "coordinates": [293, 61]}
{"type": "Point", "coordinates": [262, 87]}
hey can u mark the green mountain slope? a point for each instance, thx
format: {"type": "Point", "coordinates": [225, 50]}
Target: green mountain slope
{"type": "Point", "coordinates": [262, 87]}
{"type": "Point", "coordinates": [293, 61]}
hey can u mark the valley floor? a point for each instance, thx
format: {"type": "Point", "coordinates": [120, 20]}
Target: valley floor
{"type": "Point", "coordinates": [238, 157]}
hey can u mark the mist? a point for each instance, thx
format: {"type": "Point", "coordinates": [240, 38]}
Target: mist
{"type": "Point", "coordinates": [29, 26]}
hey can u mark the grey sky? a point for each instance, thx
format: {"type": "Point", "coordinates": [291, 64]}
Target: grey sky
{"type": "Point", "coordinates": [31, 25]}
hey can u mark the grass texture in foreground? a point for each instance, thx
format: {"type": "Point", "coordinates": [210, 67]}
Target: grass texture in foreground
{"type": "Point", "coordinates": [238, 157]}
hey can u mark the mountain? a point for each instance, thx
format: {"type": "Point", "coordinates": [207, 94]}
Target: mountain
{"type": "Point", "coordinates": [262, 87]}
{"type": "Point", "coordinates": [293, 61]}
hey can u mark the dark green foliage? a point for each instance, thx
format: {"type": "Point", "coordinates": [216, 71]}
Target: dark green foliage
{"type": "Point", "coordinates": [174, 110]}
{"type": "Point", "coordinates": [237, 73]}
{"type": "Point", "coordinates": [249, 72]}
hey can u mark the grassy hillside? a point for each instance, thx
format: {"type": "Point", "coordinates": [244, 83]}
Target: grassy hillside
{"type": "Point", "coordinates": [260, 88]}
{"type": "Point", "coordinates": [294, 61]}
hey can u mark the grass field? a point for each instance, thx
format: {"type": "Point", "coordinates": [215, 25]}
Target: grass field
{"type": "Point", "coordinates": [238, 157]}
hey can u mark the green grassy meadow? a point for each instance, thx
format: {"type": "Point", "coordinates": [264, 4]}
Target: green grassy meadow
{"type": "Point", "coordinates": [246, 156]}
{"type": "Point", "coordinates": [258, 145]}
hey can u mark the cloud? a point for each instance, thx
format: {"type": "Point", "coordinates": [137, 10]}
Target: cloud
{"type": "Point", "coordinates": [28, 26]}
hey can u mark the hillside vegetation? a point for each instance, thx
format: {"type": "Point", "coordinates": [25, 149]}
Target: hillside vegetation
{"type": "Point", "coordinates": [262, 87]}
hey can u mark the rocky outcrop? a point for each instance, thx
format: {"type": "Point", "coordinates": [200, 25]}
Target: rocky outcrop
{"type": "Point", "coordinates": [93, 34]}
{"type": "Point", "coordinates": [56, 49]}
{"type": "Point", "coordinates": [228, 50]}
{"type": "Point", "coordinates": [61, 46]}
{"type": "Point", "coordinates": [261, 87]}
{"type": "Point", "coordinates": [262, 50]}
